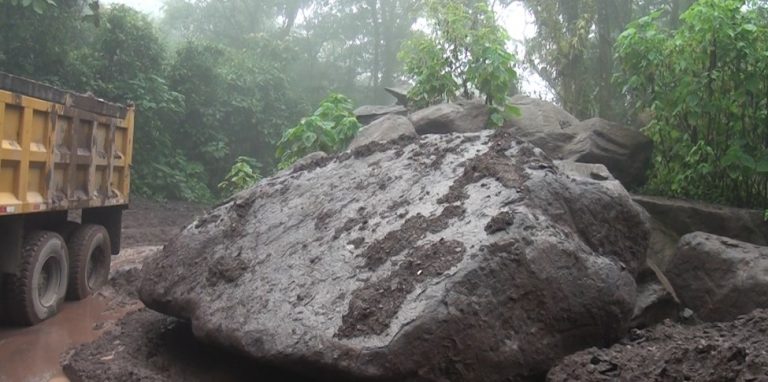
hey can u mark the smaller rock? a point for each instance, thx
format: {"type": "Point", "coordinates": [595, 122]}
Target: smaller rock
{"type": "Point", "coordinates": [308, 160]}
{"type": "Point", "coordinates": [538, 116]}
{"type": "Point", "coordinates": [683, 217]}
{"type": "Point", "coordinates": [461, 117]}
{"type": "Point", "coordinates": [369, 113]}
{"type": "Point", "coordinates": [719, 278]}
{"type": "Point", "coordinates": [626, 152]}
{"type": "Point", "coordinates": [400, 94]}
{"type": "Point", "coordinates": [662, 245]}
{"type": "Point", "coordinates": [383, 130]}
{"type": "Point", "coordinates": [654, 302]}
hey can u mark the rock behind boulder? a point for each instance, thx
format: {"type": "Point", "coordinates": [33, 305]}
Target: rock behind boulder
{"type": "Point", "coordinates": [449, 257]}
{"type": "Point", "coordinates": [719, 278]}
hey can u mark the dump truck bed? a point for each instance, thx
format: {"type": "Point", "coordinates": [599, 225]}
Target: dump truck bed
{"type": "Point", "coordinates": [61, 150]}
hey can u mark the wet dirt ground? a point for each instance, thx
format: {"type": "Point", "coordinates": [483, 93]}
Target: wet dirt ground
{"type": "Point", "coordinates": [33, 354]}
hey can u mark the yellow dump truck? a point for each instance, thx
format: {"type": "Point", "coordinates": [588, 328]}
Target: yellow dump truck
{"type": "Point", "coordinates": [64, 182]}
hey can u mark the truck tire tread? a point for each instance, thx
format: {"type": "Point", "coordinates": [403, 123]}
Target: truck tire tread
{"type": "Point", "coordinates": [19, 310]}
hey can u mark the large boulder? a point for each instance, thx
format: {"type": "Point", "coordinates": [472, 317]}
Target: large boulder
{"type": "Point", "coordinates": [383, 130]}
{"type": "Point", "coordinates": [447, 118]}
{"type": "Point", "coordinates": [449, 257]}
{"type": "Point", "coordinates": [369, 113]}
{"type": "Point", "coordinates": [719, 278]}
{"type": "Point", "coordinates": [683, 217]}
{"type": "Point", "coordinates": [713, 352]}
{"type": "Point", "coordinates": [625, 152]}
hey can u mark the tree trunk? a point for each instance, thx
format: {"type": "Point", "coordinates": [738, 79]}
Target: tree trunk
{"type": "Point", "coordinates": [605, 41]}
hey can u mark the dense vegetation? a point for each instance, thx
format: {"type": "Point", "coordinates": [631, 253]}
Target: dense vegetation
{"type": "Point", "coordinates": [706, 84]}
{"type": "Point", "coordinates": [222, 85]}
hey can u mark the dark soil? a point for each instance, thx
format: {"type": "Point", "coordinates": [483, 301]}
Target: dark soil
{"type": "Point", "coordinates": [731, 351]}
{"type": "Point", "coordinates": [148, 222]}
{"type": "Point", "coordinates": [147, 346]}
{"type": "Point", "coordinates": [413, 229]}
{"type": "Point", "coordinates": [372, 307]}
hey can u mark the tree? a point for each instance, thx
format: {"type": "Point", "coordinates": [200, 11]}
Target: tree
{"type": "Point", "coordinates": [706, 86]}
{"type": "Point", "coordinates": [351, 46]}
{"type": "Point", "coordinates": [573, 48]}
{"type": "Point", "coordinates": [329, 129]}
{"type": "Point", "coordinates": [465, 53]}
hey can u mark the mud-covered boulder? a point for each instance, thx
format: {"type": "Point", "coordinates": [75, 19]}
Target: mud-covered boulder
{"type": "Point", "coordinates": [445, 257]}
{"type": "Point", "coordinates": [384, 129]}
{"type": "Point", "coordinates": [625, 152]}
{"type": "Point", "coordinates": [719, 278]}
{"type": "Point", "coordinates": [683, 217]}
{"type": "Point", "coordinates": [447, 118]}
{"type": "Point", "coordinates": [712, 352]}
{"type": "Point", "coordinates": [368, 113]}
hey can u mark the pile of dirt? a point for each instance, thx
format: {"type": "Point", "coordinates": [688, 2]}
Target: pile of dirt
{"type": "Point", "coordinates": [146, 346]}
{"type": "Point", "coordinates": [147, 222]}
{"type": "Point", "coordinates": [712, 352]}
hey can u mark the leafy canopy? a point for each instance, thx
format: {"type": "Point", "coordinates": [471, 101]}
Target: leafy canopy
{"type": "Point", "coordinates": [329, 129]}
{"type": "Point", "coordinates": [465, 52]}
{"type": "Point", "coordinates": [706, 86]}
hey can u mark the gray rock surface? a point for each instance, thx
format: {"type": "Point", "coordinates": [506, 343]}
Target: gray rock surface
{"type": "Point", "coordinates": [448, 257]}
{"type": "Point", "coordinates": [683, 217]}
{"type": "Point", "coordinates": [384, 129]}
{"type": "Point", "coordinates": [447, 118]}
{"type": "Point", "coordinates": [654, 304]}
{"type": "Point", "coordinates": [625, 152]}
{"type": "Point", "coordinates": [369, 113]}
{"type": "Point", "coordinates": [719, 278]}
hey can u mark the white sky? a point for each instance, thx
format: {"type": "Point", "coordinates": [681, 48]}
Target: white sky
{"type": "Point", "coordinates": [153, 7]}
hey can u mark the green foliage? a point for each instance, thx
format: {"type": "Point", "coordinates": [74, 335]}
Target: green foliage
{"type": "Point", "coordinates": [706, 84]}
{"type": "Point", "coordinates": [466, 52]}
{"type": "Point", "coordinates": [243, 174]}
{"type": "Point", "coordinates": [329, 129]}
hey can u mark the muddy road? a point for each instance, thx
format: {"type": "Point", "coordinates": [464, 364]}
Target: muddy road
{"type": "Point", "coordinates": [32, 354]}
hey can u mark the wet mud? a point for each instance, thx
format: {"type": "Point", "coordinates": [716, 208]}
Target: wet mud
{"type": "Point", "coordinates": [148, 346]}
{"type": "Point", "coordinates": [33, 354]}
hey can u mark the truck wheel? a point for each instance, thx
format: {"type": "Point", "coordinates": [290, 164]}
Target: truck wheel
{"type": "Point", "coordinates": [38, 290]}
{"type": "Point", "coordinates": [90, 255]}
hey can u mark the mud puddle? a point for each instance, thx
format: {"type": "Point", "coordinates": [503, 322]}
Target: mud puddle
{"type": "Point", "coordinates": [32, 354]}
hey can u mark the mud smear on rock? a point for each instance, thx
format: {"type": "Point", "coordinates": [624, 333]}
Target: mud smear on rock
{"type": "Point", "coordinates": [372, 307]}
{"type": "Point", "coordinates": [413, 229]}
{"type": "Point", "coordinates": [500, 222]}
{"type": "Point", "coordinates": [496, 164]}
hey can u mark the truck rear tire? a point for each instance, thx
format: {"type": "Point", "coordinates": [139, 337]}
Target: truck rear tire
{"type": "Point", "coordinates": [38, 290]}
{"type": "Point", "coordinates": [90, 255]}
